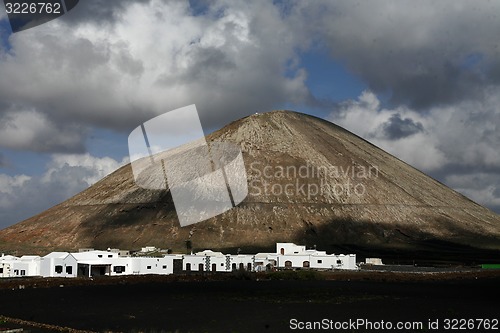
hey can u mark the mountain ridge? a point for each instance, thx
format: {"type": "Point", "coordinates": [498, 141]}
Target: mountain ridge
{"type": "Point", "coordinates": [401, 209]}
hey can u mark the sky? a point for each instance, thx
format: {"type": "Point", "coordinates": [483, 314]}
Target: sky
{"type": "Point", "coordinates": [420, 79]}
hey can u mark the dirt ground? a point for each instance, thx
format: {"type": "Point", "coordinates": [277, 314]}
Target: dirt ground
{"type": "Point", "coordinates": [246, 302]}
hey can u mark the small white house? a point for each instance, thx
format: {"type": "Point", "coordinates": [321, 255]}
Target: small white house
{"type": "Point", "coordinates": [151, 265]}
{"type": "Point", "coordinates": [289, 248]}
{"type": "Point", "coordinates": [373, 261]}
{"type": "Point", "coordinates": [265, 261]}
{"type": "Point", "coordinates": [29, 265]}
{"type": "Point", "coordinates": [210, 261]}
{"type": "Point", "coordinates": [205, 261]}
{"type": "Point", "coordinates": [95, 263]}
{"type": "Point", "coordinates": [6, 265]}
{"type": "Point", "coordinates": [242, 262]}
{"type": "Point", "coordinates": [58, 264]}
{"type": "Point", "coordinates": [290, 255]}
{"type": "Point", "coordinates": [147, 249]}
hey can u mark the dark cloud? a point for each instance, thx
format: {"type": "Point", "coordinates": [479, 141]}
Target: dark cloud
{"type": "Point", "coordinates": [102, 12]}
{"type": "Point", "coordinates": [396, 127]}
{"type": "Point", "coordinates": [156, 57]}
{"type": "Point", "coordinates": [424, 53]}
{"type": "Point", "coordinates": [34, 131]}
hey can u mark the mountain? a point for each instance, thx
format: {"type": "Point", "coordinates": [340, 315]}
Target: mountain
{"type": "Point", "coordinates": [310, 182]}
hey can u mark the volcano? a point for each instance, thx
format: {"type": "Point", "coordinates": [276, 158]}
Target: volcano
{"type": "Point", "coordinates": [309, 182]}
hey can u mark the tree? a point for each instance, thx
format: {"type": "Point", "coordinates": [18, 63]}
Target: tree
{"type": "Point", "coordinates": [189, 246]}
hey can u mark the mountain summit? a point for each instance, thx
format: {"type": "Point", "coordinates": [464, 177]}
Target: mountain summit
{"type": "Point", "coordinates": [309, 181]}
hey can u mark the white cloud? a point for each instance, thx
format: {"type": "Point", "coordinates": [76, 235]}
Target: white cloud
{"type": "Point", "coordinates": [366, 118]}
{"type": "Point", "coordinates": [23, 196]}
{"type": "Point", "coordinates": [29, 129]}
{"type": "Point", "coordinates": [155, 57]}
{"type": "Point", "coordinates": [426, 53]}
{"type": "Point", "coordinates": [455, 143]}
{"type": "Point", "coordinates": [465, 134]}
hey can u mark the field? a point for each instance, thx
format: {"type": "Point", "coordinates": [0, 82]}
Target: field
{"type": "Point", "coordinates": [244, 302]}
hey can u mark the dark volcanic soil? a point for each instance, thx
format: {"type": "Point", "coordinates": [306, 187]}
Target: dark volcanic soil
{"type": "Point", "coordinates": [220, 304]}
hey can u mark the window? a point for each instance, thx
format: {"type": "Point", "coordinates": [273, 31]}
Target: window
{"type": "Point", "coordinates": [222, 264]}
{"type": "Point", "coordinates": [149, 267]}
{"type": "Point", "coordinates": [99, 255]}
{"type": "Point", "coordinates": [339, 262]}
{"type": "Point", "coordinates": [305, 264]}
{"type": "Point", "coordinates": [288, 264]}
{"type": "Point", "coordinates": [1, 270]}
{"type": "Point", "coordinates": [296, 252]}
{"type": "Point", "coordinates": [16, 272]}
{"type": "Point", "coordinates": [110, 256]}
{"type": "Point", "coordinates": [119, 269]}
{"type": "Point", "coordinates": [69, 269]}
{"type": "Point", "coordinates": [23, 272]}
{"type": "Point", "coordinates": [164, 266]}
{"type": "Point", "coordinates": [59, 269]}
{"type": "Point", "coordinates": [320, 261]}
{"type": "Point", "coordinates": [282, 251]}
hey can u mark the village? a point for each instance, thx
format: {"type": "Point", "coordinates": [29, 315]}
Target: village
{"type": "Point", "coordinates": [114, 262]}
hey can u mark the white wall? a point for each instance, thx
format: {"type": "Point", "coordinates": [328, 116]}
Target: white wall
{"type": "Point", "coordinates": [289, 248]}
{"type": "Point", "coordinates": [5, 269]}
{"type": "Point", "coordinates": [151, 265]}
{"type": "Point", "coordinates": [65, 265]}
{"type": "Point", "coordinates": [242, 261]}
{"type": "Point", "coordinates": [193, 261]}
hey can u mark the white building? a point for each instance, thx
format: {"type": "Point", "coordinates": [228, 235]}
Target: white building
{"type": "Point", "coordinates": [210, 261]}
{"type": "Point", "coordinates": [242, 262]}
{"type": "Point", "coordinates": [148, 249]}
{"type": "Point", "coordinates": [205, 261]}
{"type": "Point", "coordinates": [58, 264]}
{"type": "Point", "coordinates": [144, 265]}
{"type": "Point", "coordinates": [6, 264]}
{"type": "Point", "coordinates": [95, 263]}
{"type": "Point", "coordinates": [290, 255]}
{"type": "Point", "coordinates": [89, 262]}
{"type": "Point", "coordinates": [27, 266]}
{"type": "Point", "coordinates": [373, 261]}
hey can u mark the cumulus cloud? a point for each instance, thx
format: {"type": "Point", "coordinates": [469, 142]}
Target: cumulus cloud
{"type": "Point", "coordinates": [152, 57]}
{"type": "Point", "coordinates": [456, 144]}
{"type": "Point", "coordinates": [65, 176]}
{"type": "Point", "coordinates": [368, 119]}
{"type": "Point", "coordinates": [32, 130]}
{"type": "Point", "coordinates": [425, 53]}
